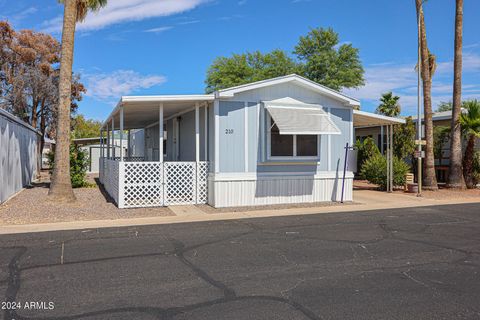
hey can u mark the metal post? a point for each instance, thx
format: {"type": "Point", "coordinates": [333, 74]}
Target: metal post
{"type": "Point", "coordinates": [121, 134]}
{"type": "Point", "coordinates": [205, 138]}
{"type": "Point", "coordinates": [129, 144]}
{"type": "Point", "coordinates": [197, 132]}
{"type": "Point", "coordinates": [381, 140]}
{"type": "Point", "coordinates": [108, 142]}
{"type": "Point", "coordinates": [113, 139]}
{"type": "Point", "coordinates": [160, 133]}
{"type": "Point", "coordinates": [344, 171]}
{"type": "Point", "coordinates": [391, 158]}
{"type": "Point", "coordinates": [388, 159]}
{"type": "Point", "coordinates": [419, 119]}
{"type": "Point", "coordinates": [197, 147]}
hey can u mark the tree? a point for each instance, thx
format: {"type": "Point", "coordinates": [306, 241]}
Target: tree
{"type": "Point", "coordinates": [321, 58]}
{"type": "Point", "coordinates": [427, 67]}
{"type": "Point", "coordinates": [444, 106]}
{"type": "Point", "coordinates": [29, 78]}
{"type": "Point", "coordinates": [470, 123]}
{"type": "Point", "coordinates": [74, 11]}
{"type": "Point", "coordinates": [455, 176]}
{"type": "Point", "coordinates": [404, 139]}
{"type": "Point", "coordinates": [249, 67]}
{"type": "Point", "coordinates": [85, 128]}
{"type": "Point", "coordinates": [328, 62]}
{"type": "Point", "coordinates": [389, 105]}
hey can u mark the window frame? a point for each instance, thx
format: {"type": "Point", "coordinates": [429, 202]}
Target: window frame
{"type": "Point", "coordinates": [294, 156]}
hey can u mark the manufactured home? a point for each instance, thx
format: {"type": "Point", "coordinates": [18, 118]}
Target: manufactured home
{"type": "Point", "coordinates": [276, 141]}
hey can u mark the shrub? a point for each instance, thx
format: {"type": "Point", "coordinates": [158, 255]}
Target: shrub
{"type": "Point", "coordinates": [476, 168]}
{"type": "Point", "coordinates": [366, 149]}
{"type": "Point", "coordinates": [78, 166]}
{"type": "Point", "coordinates": [374, 169]}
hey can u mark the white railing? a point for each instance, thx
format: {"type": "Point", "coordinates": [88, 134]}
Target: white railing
{"type": "Point", "coordinates": [154, 184]}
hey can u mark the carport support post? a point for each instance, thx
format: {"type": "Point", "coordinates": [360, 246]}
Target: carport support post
{"type": "Point", "coordinates": [388, 160]}
{"type": "Point", "coordinates": [391, 158]}
{"type": "Point", "coordinates": [121, 134]}
{"type": "Point", "coordinates": [197, 147]}
{"type": "Point", "coordinates": [107, 138]}
{"type": "Point", "coordinates": [160, 133]}
{"type": "Point", "coordinates": [113, 139]}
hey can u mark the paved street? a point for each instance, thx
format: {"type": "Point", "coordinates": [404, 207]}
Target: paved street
{"type": "Point", "coordinates": [420, 263]}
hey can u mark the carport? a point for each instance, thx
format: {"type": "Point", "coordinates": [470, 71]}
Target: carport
{"type": "Point", "coordinates": [362, 119]}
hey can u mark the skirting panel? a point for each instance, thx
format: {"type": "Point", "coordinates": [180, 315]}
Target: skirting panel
{"type": "Point", "coordinates": [277, 191]}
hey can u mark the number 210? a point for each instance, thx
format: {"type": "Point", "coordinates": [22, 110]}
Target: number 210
{"type": "Point", "coordinates": [228, 131]}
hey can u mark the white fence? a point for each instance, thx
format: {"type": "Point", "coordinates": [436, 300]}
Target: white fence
{"type": "Point", "coordinates": [18, 155]}
{"type": "Point", "coordinates": [154, 184]}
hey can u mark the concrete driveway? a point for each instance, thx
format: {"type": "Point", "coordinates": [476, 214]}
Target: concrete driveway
{"type": "Point", "coordinates": [415, 263]}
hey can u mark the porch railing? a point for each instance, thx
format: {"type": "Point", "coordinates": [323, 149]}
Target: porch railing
{"type": "Point", "coordinates": [153, 184]}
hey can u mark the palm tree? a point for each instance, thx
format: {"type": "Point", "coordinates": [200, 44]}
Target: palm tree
{"type": "Point", "coordinates": [428, 66]}
{"type": "Point", "coordinates": [470, 123]}
{"type": "Point", "coordinates": [455, 177]}
{"type": "Point", "coordinates": [74, 11]}
{"type": "Point", "coordinates": [389, 105]}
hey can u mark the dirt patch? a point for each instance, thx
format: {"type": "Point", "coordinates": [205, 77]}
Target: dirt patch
{"type": "Point", "coordinates": [32, 206]}
{"type": "Point", "coordinates": [448, 194]}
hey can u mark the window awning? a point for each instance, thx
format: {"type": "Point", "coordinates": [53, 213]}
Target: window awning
{"type": "Point", "coordinates": [301, 119]}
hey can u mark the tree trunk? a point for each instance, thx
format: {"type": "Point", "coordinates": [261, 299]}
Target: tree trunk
{"type": "Point", "coordinates": [430, 178]}
{"type": "Point", "coordinates": [455, 177]}
{"type": "Point", "coordinates": [61, 186]}
{"type": "Point", "coordinates": [468, 162]}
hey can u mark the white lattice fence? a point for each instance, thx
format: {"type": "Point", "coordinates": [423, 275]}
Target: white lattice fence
{"type": "Point", "coordinates": [154, 184]}
{"type": "Point", "coordinates": [202, 182]}
{"type": "Point", "coordinates": [143, 184]}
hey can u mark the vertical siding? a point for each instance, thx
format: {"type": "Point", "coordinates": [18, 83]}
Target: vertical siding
{"type": "Point", "coordinates": [232, 146]}
{"type": "Point", "coordinates": [211, 137]}
{"type": "Point", "coordinates": [254, 145]}
{"type": "Point", "coordinates": [18, 155]}
{"type": "Point", "coordinates": [342, 118]}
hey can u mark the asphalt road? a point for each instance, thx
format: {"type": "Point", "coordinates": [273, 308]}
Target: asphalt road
{"type": "Point", "coordinates": [419, 263]}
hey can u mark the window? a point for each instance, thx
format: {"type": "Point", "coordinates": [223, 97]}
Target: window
{"type": "Point", "coordinates": [291, 146]}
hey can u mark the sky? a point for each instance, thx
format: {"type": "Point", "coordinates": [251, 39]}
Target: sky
{"type": "Point", "coordinates": [142, 47]}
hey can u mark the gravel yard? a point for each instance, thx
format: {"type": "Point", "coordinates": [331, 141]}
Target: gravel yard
{"type": "Point", "coordinates": [32, 206]}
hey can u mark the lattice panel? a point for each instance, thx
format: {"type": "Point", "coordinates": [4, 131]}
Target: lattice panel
{"type": "Point", "coordinates": [180, 183]}
{"type": "Point", "coordinates": [202, 182]}
{"type": "Point", "coordinates": [143, 184]}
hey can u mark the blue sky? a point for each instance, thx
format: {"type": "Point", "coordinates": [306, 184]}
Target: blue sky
{"type": "Point", "coordinates": [135, 47]}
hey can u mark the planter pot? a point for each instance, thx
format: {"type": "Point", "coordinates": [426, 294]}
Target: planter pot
{"type": "Point", "coordinates": [412, 188]}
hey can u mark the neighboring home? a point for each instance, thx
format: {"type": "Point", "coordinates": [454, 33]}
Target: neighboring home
{"type": "Point", "coordinates": [276, 141]}
{"type": "Point", "coordinates": [92, 147]}
{"type": "Point", "coordinates": [49, 146]}
{"type": "Point", "coordinates": [440, 119]}
{"type": "Point", "coordinates": [19, 144]}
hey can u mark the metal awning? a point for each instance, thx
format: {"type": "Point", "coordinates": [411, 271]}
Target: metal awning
{"type": "Point", "coordinates": [368, 119]}
{"type": "Point", "coordinates": [300, 118]}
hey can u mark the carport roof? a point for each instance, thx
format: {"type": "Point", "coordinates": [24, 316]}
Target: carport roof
{"type": "Point", "coordinates": [368, 119]}
{"type": "Point", "coordinates": [141, 111]}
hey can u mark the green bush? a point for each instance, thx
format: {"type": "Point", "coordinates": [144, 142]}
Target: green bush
{"type": "Point", "coordinates": [366, 149]}
{"type": "Point", "coordinates": [78, 166]}
{"type": "Point", "coordinates": [476, 168]}
{"type": "Point", "coordinates": [374, 170]}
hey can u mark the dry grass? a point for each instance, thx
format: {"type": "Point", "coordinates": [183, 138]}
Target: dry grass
{"type": "Point", "coordinates": [32, 206]}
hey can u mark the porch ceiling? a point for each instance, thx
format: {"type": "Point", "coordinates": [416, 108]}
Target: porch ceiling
{"type": "Point", "coordinates": [140, 112]}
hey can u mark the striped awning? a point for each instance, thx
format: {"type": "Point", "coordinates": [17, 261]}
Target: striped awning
{"type": "Point", "coordinates": [301, 119]}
